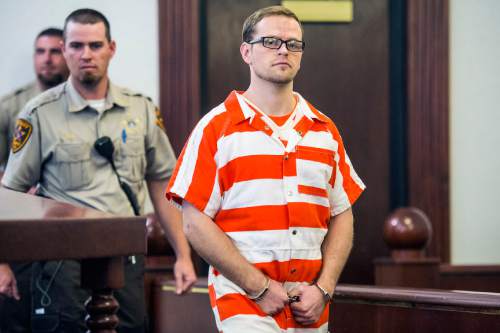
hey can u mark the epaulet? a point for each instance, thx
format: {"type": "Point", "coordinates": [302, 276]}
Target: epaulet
{"type": "Point", "coordinates": [159, 120]}
{"type": "Point", "coordinates": [135, 94]}
{"type": "Point", "coordinates": [24, 88]}
{"type": "Point", "coordinates": [20, 90]}
{"type": "Point", "coordinates": [46, 97]}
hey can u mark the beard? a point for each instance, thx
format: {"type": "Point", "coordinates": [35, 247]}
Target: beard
{"type": "Point", "coordinates": [90, 80]}
{"type": "Point", "coordinates": [52, 80]}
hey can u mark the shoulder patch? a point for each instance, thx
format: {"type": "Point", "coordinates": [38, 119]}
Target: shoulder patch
{"type": "Point", "coordinates": [21, 135]}
{"type": "Point", "coordinates": [159, 119]}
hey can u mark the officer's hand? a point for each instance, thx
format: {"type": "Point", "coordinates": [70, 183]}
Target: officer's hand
{"type": "Point", "coordinates": [274, 299]}
{"type": "Point", "coordinates": [185, 275]}
{"type": "Point", "coordinates": [8, 284]}
{"type": "Point", "coordinates": [311, 305]}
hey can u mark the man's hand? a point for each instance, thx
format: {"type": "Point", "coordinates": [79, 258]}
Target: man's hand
{"type": "Point", "coordinates": [170, 219]}
{"type": "Point", "coordinates": [185, 275]}
{"type": "Point", "coordinates": [274, 299]}
{"type": "Point", "coordinates": [8, 284]}
{"type": "Point", "coordinates": [311, 305]}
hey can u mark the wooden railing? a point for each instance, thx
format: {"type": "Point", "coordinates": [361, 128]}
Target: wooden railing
{"type": "Point", "coordinates": [34, 228]}
{"type": "Point", "coordinates": [369, 309]}
{"type": "Point", "coordinates": [355, 309]}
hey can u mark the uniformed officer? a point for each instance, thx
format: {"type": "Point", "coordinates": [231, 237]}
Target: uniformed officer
{"type": "Point", "coordinates": [50, 70]}
{"type": "Point", "coordinates": [53, 147]}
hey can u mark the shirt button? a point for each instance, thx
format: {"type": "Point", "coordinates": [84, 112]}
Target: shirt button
{"type": "Point", "coordinates": [294, 232]}
{"type": "Point", "coordinates": [286, 157]}
{"type": "Point", "coordinates": [293, 270]}
{"type": "Point", "coordinates": [290, 193]}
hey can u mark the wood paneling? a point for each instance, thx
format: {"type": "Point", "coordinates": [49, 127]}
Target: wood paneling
{"type": "Point", "coordinates": [480, 278]}
{"type": "Point", "coordinates": [345, 73]}
{"type": "Point", "coordinates": [428, 134]}
{"type": "Point", "coordinates": [224, 69]}
{"type": "Point", "coordinates": [420, 273]}
{"type": "Point", "coordinates": [179, 67]}
{"type": "Point", "coordinates": [190, 313]}
{"type": "Point", "coordinates": [430, 273]}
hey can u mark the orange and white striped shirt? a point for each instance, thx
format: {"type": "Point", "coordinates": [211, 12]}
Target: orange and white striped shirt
{"type": "Point", "coordinates": [272, 197]}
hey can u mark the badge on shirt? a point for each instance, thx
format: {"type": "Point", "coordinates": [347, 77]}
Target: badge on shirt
{"type": "Point", "coordinates": [159, 119]}
{"type": "Point", "coordinates": [21, 135]}
{"type": "Point", "coordinates": [131, 126]}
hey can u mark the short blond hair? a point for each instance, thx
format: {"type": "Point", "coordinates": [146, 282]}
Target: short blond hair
{"type": "Point", "coordinates": [257, 16]}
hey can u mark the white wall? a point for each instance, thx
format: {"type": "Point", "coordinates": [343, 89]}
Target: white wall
{"type": "Point", "coordinates": [475, 131]}
{"type": "Point", "coordinates": [134, 26]}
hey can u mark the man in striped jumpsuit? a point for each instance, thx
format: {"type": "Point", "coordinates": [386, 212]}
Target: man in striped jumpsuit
{"type": "Point", "coordinates": [266, 189]}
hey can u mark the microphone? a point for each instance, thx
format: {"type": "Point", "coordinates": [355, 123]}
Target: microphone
{"type": "Point", "coordinates": [105, 147]}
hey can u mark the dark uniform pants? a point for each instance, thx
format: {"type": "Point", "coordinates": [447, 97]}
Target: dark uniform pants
{"type": "Point", "coordinates": [58, 301]}
{"type": "Point", "coordinates": [15, 315]}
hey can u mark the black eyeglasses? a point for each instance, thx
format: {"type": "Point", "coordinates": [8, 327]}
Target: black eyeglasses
{"type": "Point", "coordinates": [275, 43]}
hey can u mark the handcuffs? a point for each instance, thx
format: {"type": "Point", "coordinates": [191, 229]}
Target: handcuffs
{"type": "Point", "coordinates": [291, 299]}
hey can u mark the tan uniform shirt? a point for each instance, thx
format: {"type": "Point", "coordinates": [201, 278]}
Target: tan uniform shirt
{"type": "Point", "coordinates": [10, 106]}
{"type": "Point", "coordinates": [58, 152]}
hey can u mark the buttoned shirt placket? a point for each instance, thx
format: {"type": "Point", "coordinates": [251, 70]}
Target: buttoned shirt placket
{"type": "Point", "coordinates": [292, 132]}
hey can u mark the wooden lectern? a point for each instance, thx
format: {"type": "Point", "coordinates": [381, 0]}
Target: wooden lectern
{"type": "Point", "coordinates": [34, 228]}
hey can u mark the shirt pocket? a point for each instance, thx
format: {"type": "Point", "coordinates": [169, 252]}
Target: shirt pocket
{"type": "Point", "coordinates": [131, 159]}
{"type": "Point", "coordinates": [314, 170]}
{"type": "Point", "coordinates": [73, 165]}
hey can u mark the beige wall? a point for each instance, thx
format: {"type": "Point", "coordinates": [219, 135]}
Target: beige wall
{"type": "Point", "coordinates": [475, 131]}
{"type": "Point", "coordinates": [134, 26]}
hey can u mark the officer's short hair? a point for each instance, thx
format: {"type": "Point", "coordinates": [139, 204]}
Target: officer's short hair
{"type": "Point", "coordinates": [51, 32]}
{"type": "Point", "coordinates": [256, 17]}
{"type": "Point", "coordinates": [88, 16]}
